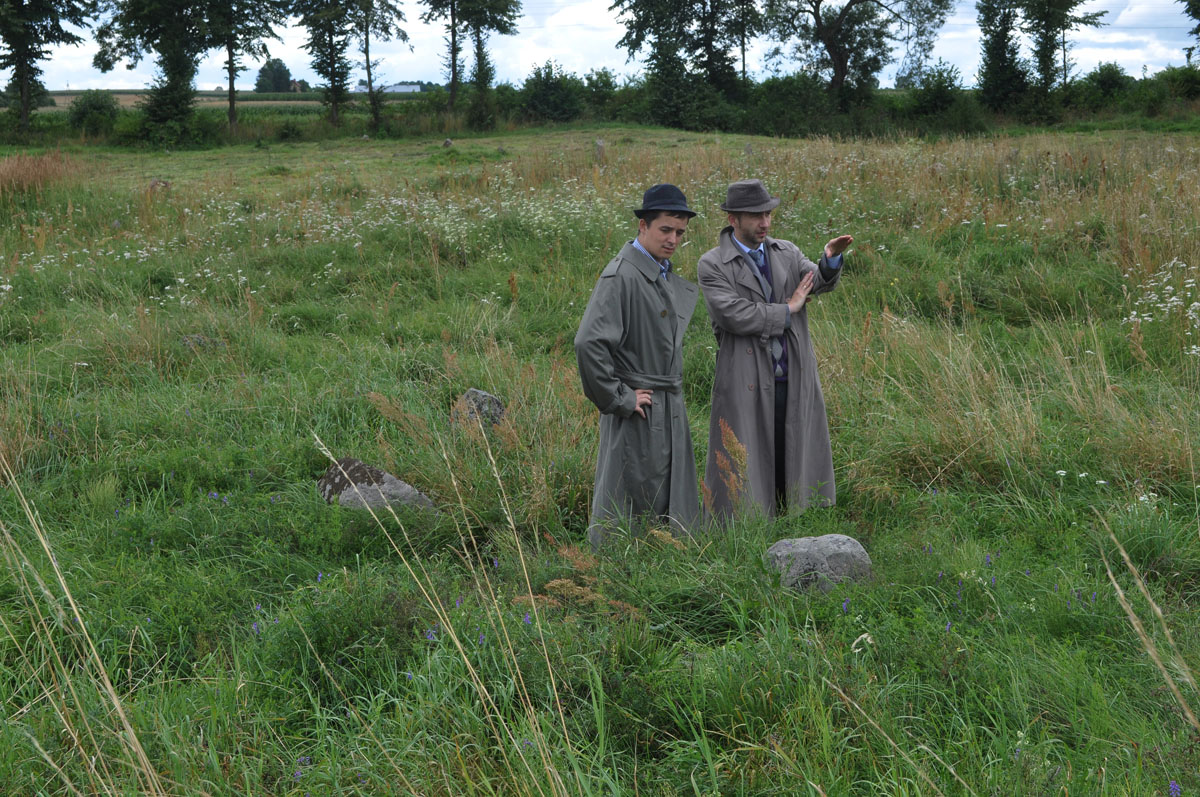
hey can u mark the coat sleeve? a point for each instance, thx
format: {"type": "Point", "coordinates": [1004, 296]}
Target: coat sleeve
{"type": "Point", "coordinates": [731, 311]}
{"type": "Point", "coordinates": [596, 342]}
{"type": "Point", "coordinates": [825, 278]}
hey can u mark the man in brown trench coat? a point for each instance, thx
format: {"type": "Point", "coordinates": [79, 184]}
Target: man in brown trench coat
{"type": "Point", "coordinates": [766, 395]}
{"type": "Point", "coordinates": [630, 353]}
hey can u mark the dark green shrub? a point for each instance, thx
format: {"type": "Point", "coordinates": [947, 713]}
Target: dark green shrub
{"type": "Point", "coordinates": [1106, 86]}
{"type": "Point", "coordinates": [940, 87]}
{"type": "Point", "coordinates": [94, 112]}
{"type": "Point", "coordinates": [552, 95]}
{"type": "Point", "coordinates": [788, 106]}
{"type": "Point", "coordinates": [600, 85]}
{"type": "Point", "coordinates": [1181, 82]}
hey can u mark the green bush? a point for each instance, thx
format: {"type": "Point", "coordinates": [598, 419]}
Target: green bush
{"type": "Point", "coordinates": [788, 106]}
{"type": "Point", "coordinates": [1181, 82]}
{"type": "Point", "coordinates": [939, 89]}
{"type": "Point", "coordinates": [94, 112]}
{"type": "Point", "coordinates": [552, 95]}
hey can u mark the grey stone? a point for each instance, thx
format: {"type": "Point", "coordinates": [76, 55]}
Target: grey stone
{"type": "Point", "coordinates": [479, 404]}
{"type": "Point", "coordinates": [196, 342]}
{"type": "Point", "coordinates": [823, 561]}
{"type": "Point", "coordinates": [356, 485]}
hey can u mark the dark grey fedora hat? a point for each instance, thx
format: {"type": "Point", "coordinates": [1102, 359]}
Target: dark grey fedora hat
{"type": "Point", "coordinates": [749, 196]}
{"type": "Point", "coordinates": [666, 197]}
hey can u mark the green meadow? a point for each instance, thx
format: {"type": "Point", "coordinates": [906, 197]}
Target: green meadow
{"type": "Point", "coordinates": [1012, 369]}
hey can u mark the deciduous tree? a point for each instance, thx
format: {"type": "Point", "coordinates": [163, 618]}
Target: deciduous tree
{"type": "Point", "coordinates": [1048, 22]}
{"type": "Point", "coordinates": [241, 28]}
{"type": "Point", "coordinates": [381, 19]}
{"type": "Point", "coordinates": [329, 27]}
{"type": "Point", "coordinates": [850, 41]}
{"type": "Point", "coordinates": [1192, 9]}
{"type": "Point", "coordinates": [1003, 78]}
{"type": "Point", "coordinates": [475, 18]}
{"type": "Point", "coordinates": [28, 28]}
{"type": "Point", "coordinates": [274, 76]}
{"type": "Point", "coordinates": [684, 37]}
{"type": "Point", "coordinates": [177, 32]}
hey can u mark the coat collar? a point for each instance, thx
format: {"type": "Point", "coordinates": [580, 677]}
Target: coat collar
{"type": "Point", "coordinates": [743, 270]}
{"type": "Point", "coordinates": [645, 265]}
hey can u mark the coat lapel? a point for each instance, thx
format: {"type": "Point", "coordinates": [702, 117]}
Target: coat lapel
{"type": "Point", "coordinates": [744, 272]}
{"type": "Point", "coordinates": [779, 270]}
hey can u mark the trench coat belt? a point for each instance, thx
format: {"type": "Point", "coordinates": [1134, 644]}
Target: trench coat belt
{"type": "Point", "coordinates": [667, 382]}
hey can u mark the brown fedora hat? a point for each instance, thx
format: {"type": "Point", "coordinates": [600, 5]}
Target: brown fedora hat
{"type": "Point", "coordinates": [749, 196]}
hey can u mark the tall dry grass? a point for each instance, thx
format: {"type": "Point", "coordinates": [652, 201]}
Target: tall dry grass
{"type": "Point", "coordinates": [22, 173]}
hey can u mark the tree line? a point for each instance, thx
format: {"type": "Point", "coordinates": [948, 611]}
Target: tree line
{"type": "Point", "coordinates": [695, 76]}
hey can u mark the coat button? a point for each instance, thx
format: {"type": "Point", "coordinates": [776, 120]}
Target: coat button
{"type": "Point", "coordinates": [749, 387]}
{"type": "Point", "coordinates": [664, 313]}
{"type": "Point", "coordinates": [749, 350]}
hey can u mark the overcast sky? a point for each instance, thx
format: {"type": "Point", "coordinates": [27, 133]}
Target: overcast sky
{"type": "Point", "coordinates": [581, 36]}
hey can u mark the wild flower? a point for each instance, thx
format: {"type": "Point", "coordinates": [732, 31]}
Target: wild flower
{"type": "Point", "coordinates": [845, 606]}
{"type": "Point", "coordinates": [1174, 789]}
{"type": "Point", "coordinates": [1061, 472]}
{"type": "Point", "coordinates": [527, 621]}
{"type": "Point", "coordinates": [947, 626]}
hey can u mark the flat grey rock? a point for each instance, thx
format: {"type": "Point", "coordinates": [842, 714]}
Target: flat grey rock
{"type": "Point", "coordinates": [821, 561]}
{"type": "Point", "coordinates": [356, 485]}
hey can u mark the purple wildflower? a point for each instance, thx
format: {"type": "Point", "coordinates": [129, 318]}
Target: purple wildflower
{"type": "Point", "coordinates": [947, 626]}
{"type": "Point", "coordinates": [1174, 789]}
{"type": "Point", "coordinates": [319, 574]}
{"type": "Point", "coordinates": [527, 621]}
{"type": "Point", "coordinates": [845, 605]}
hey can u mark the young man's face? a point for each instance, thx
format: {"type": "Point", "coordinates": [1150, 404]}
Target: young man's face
{"type": "Point", "coordinates": [663, 235]}
{"type": "Point", "coordinates": [751, 228]}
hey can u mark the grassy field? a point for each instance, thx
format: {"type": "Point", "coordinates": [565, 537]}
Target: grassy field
{"type": "Point", "coordinates": [1012, 369]}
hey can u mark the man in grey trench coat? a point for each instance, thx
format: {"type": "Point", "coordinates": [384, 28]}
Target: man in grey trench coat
{"type": "Point", "coordinates": [768, 445]}
{"type": "Point", "coordinates": [630, 353]}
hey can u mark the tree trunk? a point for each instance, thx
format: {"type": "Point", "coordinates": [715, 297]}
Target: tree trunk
{"type": "Point", "coordinates": [23, 78]}
{"type": "Point", "coordinates": [454, 47]}
{"type": "Point", "coordinates": [231, 67]}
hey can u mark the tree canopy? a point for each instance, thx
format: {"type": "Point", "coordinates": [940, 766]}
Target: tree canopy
{"type": "Point", "coordinates": [329, 29]}
{"type": "Point", "coordinates": [850, 42]}
{"type": "Point", "coordinates": [274, 76]}
{"type": "Point", "coordinates": [28, 29]}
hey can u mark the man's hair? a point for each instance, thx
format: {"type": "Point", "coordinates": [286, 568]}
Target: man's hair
{"type": "Point", "coordinates": [651, 216]}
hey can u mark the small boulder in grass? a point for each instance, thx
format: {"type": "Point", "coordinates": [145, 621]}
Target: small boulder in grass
{"type": "Point", "coordinates": [821, 561]}
{"type": "Point", "coordinates": [477, 404]}
{"type": "Point", "coordinates": [354, 484]}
